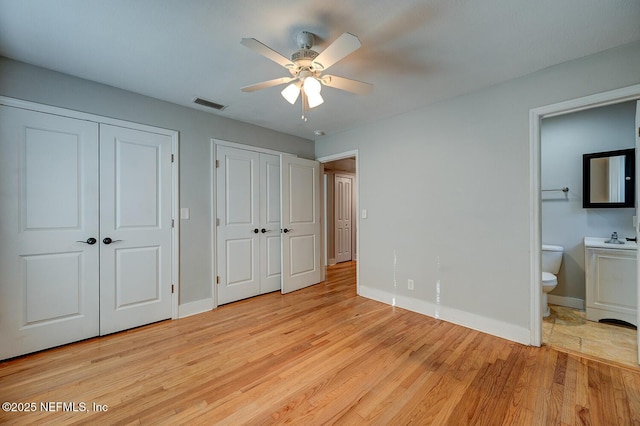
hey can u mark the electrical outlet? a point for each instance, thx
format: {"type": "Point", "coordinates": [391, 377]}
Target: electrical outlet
{"type": "Point", "coordinates": [410, 284]}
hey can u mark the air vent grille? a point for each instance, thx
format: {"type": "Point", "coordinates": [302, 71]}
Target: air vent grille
{"type": "Point", "coordinates": [209, 104]}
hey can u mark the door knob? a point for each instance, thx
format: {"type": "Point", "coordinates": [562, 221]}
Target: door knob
{"type": "Point", "coordinates": [285, 230]}
{"type": "Point", "coordinates": [255, 231]}
{"type": "Point", "coordinates": [91, 241]}
{"type": "Point", "coordinates": [264, 231]}
{"type": "Point", "coordinates": [109, 240]}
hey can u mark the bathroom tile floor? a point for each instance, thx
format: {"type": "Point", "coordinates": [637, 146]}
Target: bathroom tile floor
{"type": "Point", "coordinates": [567, 329]}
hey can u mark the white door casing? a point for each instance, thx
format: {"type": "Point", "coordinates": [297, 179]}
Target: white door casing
{"type": "Point", "coordinates": [270, 245]}
{"type": "Point", "coordinates": [238, 213]}
{"type": "Point", "coordinates": [48, 210]}
{"type": "Point", "coordinates": [301, 223]}
{"type": "Point", "coordinates": [637, 195]}
{"type": "Point", "coordinates": [343, 194]}
{"type": "Point", "coordinates": [136, 207]}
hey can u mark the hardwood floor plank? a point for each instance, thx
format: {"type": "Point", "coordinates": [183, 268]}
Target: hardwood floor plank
{"type": "Point", "coordinates": [321, 355]}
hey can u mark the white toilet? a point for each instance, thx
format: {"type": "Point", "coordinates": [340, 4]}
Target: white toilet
{"type": "Point", "coordinates": [551, 261]}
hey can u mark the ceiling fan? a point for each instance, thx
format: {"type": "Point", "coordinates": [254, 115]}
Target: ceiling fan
{"type": "Point", "coordinates": [306, 67]}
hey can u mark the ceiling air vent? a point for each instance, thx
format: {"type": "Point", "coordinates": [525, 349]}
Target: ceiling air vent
{"type": "Point", "coordinates": [209, 104]}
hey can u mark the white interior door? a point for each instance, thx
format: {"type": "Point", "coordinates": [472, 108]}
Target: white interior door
{"type": "Point", "coordinates": [135, 228]}
{"type": "Point", "coordinates": [637, 131]}
{"type": "Point", "coordinates": [270, 247]}
{"type": "Point", "coordinates": [301, 225]}
{"type": "Point", "coordinates": [238, 236]}
{"type": "Point", "coordinates": [48, 215]}
{"type": "Point", "coordinates": [343, 209]}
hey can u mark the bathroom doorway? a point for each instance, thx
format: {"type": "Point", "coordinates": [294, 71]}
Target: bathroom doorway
{"type": "Point", "coordinates": [560, 212]}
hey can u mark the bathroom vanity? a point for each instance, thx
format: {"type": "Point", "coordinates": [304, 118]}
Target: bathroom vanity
{"type": "Point", "coordinates": [611, 280]}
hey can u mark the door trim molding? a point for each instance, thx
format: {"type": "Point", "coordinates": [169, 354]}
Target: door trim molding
{"type": "Point", "coordinates": [340, 156]}
{"type": "Point", "coordinates": [175, 172]}
{"type": "Point", "coordinates": [535, 205]}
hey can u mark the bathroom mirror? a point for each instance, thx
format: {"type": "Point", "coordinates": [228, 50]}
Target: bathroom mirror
{"type": "Point", "coordinates": [608, 179]}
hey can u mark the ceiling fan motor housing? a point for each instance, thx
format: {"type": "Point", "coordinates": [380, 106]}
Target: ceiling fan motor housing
{"type": "Point", "coordinates": [305, 40]}
{"type": "Point", "coordinates": [303, 61]}
{"type": "Point", "coordinates": [304, 54]}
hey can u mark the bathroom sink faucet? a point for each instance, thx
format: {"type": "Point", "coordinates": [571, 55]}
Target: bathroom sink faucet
{"type": "Point", "coordinates": [614, 239]}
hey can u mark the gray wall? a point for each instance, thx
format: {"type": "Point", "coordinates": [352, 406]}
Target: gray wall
{"type": "Point", "coordinates": [22, 81]}
{"type": "Point", "coordinates": [451, 182]}
{"type": "Point", "coordinates": [564, 222]}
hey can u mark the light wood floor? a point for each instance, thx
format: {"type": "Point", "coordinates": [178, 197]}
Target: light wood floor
{"type": "Point", "coordinates": [317, 356]}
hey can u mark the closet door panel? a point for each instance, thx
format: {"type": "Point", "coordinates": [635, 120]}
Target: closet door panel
{"type": "Point", "coordinates": [270, 247]}
{"type": "Point", "coordinates": [238, 232]}
{"type": "Point", "coordinates": [300, 192]}
{"type": "Point", "coordinates": [135, 228]}
{"type": "Point", "coordinates": [48, 213]}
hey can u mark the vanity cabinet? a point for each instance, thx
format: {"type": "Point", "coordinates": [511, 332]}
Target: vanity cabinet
{"type": "Point", "coordinates": [611, 281]}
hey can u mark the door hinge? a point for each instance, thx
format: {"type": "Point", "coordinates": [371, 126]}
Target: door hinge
{"type": "Point", "coordinates": [217, 163]}
{"type": "Point", "coordinates": [639, 132]}
{"type": "Point", "coordinates": [173, 223]}
{"type": "Point", "coordinates": [173, 158]}
{"type": "Point", "coordinates": [217, 279]}
{"type": "Point", "coordinates": [217, 221]}
{"type": "Point", "coordinates": [172, 288]}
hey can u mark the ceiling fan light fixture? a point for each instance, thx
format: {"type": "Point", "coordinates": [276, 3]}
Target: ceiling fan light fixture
{"type": "Point", "coordinates": [306, 67]}
{"type": "Point", "coordinates": [314, 99]}
{"type": "Point", "coordinates": [291, 93]}
{"type": "Point", "coordinates": [312, 86]}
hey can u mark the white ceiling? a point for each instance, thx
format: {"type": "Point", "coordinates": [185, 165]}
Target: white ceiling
{"type": "Point", "coordinates": [414, 52]}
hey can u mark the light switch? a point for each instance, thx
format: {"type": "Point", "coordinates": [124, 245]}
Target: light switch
{"type": "Point", "coordinates": [185, 213]}
{"type": "Point", "coordinates": [364, 214]}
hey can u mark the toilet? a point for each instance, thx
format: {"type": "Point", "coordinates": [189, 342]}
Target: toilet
{"type": "Point", "coordinates": [551, 261]}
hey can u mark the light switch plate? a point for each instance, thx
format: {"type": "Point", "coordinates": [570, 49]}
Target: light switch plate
{"type": "Point", "coordinates": [185, 213]}
{"type": "Point", "coordinates": [364, 214]}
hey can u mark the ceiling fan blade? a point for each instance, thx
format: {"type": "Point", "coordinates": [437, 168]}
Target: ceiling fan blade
{"type": "Point", "coordinates": [341, 47]}
{"type": "Point", "coordinates": [353, 86]}
{"type": "Point", "coordinates": [266, 51]}
{"type": "Point", "coordinates": [269, 83]}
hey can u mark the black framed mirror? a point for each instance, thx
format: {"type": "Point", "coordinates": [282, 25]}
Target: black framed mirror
{"type": "Point", "coordinates": [608, 179]}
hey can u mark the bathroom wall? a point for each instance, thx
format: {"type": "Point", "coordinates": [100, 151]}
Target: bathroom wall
{"type": "Point", "coordinates": [564, 222]}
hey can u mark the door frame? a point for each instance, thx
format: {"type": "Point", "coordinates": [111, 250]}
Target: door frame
{"type": "Point", "coordinates": [175, 173]}
{"type": "Point", "coordinates": [341, 156]}
{"type": "Point", "coordinates": [536, 115]}
{"type": "Point", "coordinates": [214, 142]}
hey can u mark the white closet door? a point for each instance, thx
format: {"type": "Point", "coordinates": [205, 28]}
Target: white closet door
{"type": "Point", "coordinates": [343, 209]}
{"type": "Point", "coordinates": [135, 228]}
{"type": "Point", "coordinates": [238, 232]}
{"type": "Point", "coordinates": [48, 213]}
{"type": "Point", "coordinates": [270, 247]}
{"type": "Point", "coordinates": [300, 192]}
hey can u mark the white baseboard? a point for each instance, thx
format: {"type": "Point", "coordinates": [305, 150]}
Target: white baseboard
{"type": "Point", "coordinates": [569, 302]}
{"type": "Point", "coordinates": [194, 308]}
{"type": "Point", "coordinates": [452, 315]}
